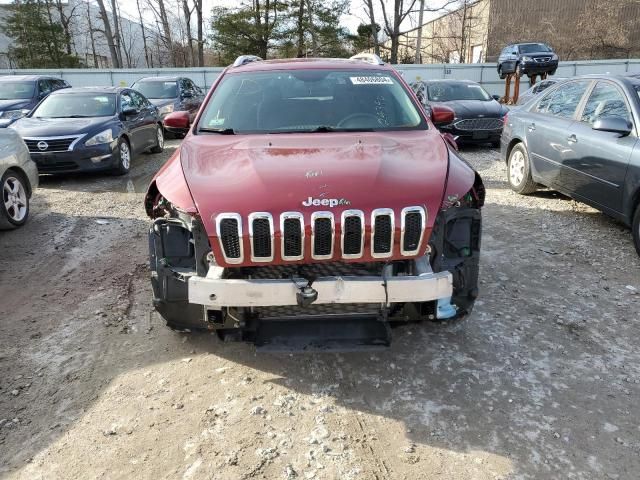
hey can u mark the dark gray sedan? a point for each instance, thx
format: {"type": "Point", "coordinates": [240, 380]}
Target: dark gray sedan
{"type": "Point", "coordinates": [581, 138]}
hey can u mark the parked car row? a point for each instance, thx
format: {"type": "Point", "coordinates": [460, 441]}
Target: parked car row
{"type": "Point", "coordinates": [55, 128]}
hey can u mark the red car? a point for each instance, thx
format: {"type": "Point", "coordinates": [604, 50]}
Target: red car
{"type": "Point", "coordinates": [311, 204]}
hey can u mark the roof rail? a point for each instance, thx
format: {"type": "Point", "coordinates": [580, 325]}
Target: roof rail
{"type": "Point", "coordinates": [244, 59]}
{"type": "Point", "coordinates": [371, 58]}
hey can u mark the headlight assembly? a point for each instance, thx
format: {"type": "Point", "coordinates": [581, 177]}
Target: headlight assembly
{"type": "Point", "coordinates": [166, 109]}
{"type": "Point", "coordinates": [106, 136]}
{"type": "Point", "coordinates": [14, 114]}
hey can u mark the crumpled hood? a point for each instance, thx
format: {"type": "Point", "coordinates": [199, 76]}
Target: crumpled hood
{"type": "Point", "coordinates": [278, 173]}
{"type": "Point", "coordinates": [52, 127]}
{"type": "Point", "coordinates": [15, 104]}
{"type": "Point", "coordinates": [475, 108]}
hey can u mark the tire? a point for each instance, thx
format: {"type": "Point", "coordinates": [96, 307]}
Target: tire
{"type": "Point", "coordinates": [124, 157]}
{"type": "Point", "coordinates": [518, 70]}
{"type": "Point", "coordinates": [635, 226]}
{"type": "Point", "coordinates": [519, 171]}
{"type": "Point", "coordinates": [159, 140]}
{"type": "Point", "coordinates": [502, 75]}
{"type": "Point", "coordinates": [552, 72]}
{"type": "Point", "coordinates": [14, 200]}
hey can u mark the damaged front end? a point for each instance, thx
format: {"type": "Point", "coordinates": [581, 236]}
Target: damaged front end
{"type": "Point", "coordinates": [335, 303]}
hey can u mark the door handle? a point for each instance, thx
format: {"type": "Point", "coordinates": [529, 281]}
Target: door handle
{"type": "Point", "coordinates": [572, 139]}
{"type": "Point", "coordinates": [532, 127]}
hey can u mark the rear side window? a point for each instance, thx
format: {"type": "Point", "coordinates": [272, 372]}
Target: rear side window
{"type": "Point", "coordinates": [605, 101]}
{"type": "Point", "coordinates": [563, 101]}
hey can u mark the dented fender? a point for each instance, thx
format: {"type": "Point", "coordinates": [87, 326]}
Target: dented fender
{"type": "Point", "coordinates": [461, 179]}
{"type": "Point", "coordinates": [170, 183]}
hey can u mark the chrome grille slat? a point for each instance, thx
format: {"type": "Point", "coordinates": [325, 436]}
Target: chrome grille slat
{"type": "Point", "coordinates": [412, 226]}
{"type": "Point", "coordinates": [382, 232]}
{"type": "Point", "coordinates": [322, 235]}
{"type": "Point", "coordinates": [352, 238]}
{"type": "Point", "coordinates": [229, 229]}
{"type": "Point", "coordinates": [261, 236]}
{"type": "Point", "coordinates": [292, 236]}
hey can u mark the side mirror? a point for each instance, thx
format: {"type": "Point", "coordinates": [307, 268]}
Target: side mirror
{"type": "Point", "coordinates": [177, 122]}
{"type": "Point", "coordinates": [187, 94]}
{"type": "Point", "coordinates": [496, 97]}
{"type": "Point", "coordinates": [129, 111]}
{"type": "Point", "coordinates": [514, 53]}
{"type": "Point", "coordinates": [614, 125]}
{"type": "Point", "coordinates": [441, 115]}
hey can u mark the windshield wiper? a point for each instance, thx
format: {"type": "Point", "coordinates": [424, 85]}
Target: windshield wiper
{"type": "Point", "coordinates": [221, 131]}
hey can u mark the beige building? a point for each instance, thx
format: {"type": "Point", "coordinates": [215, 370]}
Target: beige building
{"type": "Point", "coordinates": [577, 30]}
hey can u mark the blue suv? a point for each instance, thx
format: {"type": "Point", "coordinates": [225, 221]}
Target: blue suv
{"type": "Point", "coordinates": [527, 58]}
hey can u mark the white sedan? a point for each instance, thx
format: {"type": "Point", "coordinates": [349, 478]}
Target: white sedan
{"type": "Point", "coordinates": [18, 179]}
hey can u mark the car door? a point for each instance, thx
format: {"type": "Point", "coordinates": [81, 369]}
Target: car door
{"type": "Point", "coordinates": [596, 166]}
{"type": "Point", "coordinates": [546, 127]}
{"type": "Point", "coordinates": [148, 118]}
{"type": "Point", "coordinates": [133, 121]}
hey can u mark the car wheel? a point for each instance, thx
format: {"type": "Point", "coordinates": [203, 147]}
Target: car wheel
{"type": "Point", "coordinates": [159, 140]}
{"type": "Point", "coordinates": [124, 157]}
{"type": "Point", "coordinates": [519, 171]}
{"type": "Point", "coordinates": [552, 72]}
{"type": "Point", "coordinates": [502, 75]}
{"type": "Point", "coordinates": [636, 229]}
{"type": "Point", "coordinates": [14, 207]}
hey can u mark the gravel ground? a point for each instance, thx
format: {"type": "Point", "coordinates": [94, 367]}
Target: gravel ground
{"type": "Point", "coordinates": [542, 382]}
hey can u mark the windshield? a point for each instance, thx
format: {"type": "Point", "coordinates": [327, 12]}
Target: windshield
{"type": "Point", "coordinates": [447, 92]}
{"type": "Point", "coordinates": [16, 90]}
{"type": "Point", "coordinates": [310, 100]}
{"type": "Point", "coordinates": [157, 89]}
{"type": "Point", "coordinates": [77, 105]}
{"type": "Point", "coordinates": [533, 48]}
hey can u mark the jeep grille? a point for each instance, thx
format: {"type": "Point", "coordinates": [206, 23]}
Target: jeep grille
{"type": "Point", "coordinates": [324, 244]}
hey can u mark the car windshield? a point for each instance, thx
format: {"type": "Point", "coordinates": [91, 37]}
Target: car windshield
{"type": "Point", "coordinates": [447, 92]}
{"type": "Point", "coordinates": [16, 90]}
{"type": "Point", "coordinates": [157, 89]}
{"type": "Point", "coordinates": [533, 48]}
{"type": "Point", "coordinates": [310, 101]}
{"type": "Point", "coordinates": [77, 105]}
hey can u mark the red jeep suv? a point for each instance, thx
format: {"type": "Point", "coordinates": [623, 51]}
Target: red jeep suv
{"type": "Point", "coordinates": [311, 204]}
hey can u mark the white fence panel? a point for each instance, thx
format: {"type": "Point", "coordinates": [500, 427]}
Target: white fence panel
{"type": "Point", "coordinates": [484, 73]}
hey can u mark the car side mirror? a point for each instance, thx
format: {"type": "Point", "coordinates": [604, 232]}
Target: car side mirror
{"type": "Point", "coordinates": [187, 94]}
{"type": "Point", "coordinates": [514, 53]}
{"type": "Point", "coordinates": [177, 122]}
{"type": "Point", "coordinates": [441, 115]}
{"type": "Point", "coordinates": [613, 124]}
{"type": "Point", "coordinates": [496, 97]}
{"type": "Point", "coordinates": [129, 111]}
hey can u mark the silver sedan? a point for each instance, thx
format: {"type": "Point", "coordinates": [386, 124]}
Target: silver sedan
{"type": "Point", "coordinates": [18, 179]}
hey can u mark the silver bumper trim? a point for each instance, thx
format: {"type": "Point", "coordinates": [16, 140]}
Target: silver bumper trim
{"type": "Point", "coordinates": [219, 292]}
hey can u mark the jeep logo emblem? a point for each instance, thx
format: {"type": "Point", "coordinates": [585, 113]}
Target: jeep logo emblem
{"type": "Point", "coordinates": [42, 145]}
{"type": "Point", "coordinates": [325, 202]}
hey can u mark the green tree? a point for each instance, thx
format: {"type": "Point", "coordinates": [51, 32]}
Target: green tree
{"type": "Point", "coordinates": [316, 27]}
{"type": "Point", "coordinates": [38, 40]}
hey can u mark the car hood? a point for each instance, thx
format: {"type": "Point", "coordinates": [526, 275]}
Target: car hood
{"type": "Point", "coordinates": [475, 108]}
{"type": "Point", "coordinates": [14, 104]}
{"type": "Point", "coordinates": [279, 173]}
{"type": "Point", "coordinates": [53, 127]}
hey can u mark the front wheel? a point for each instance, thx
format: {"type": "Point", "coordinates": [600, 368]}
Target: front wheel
{"type": "Point", "coordinates": [14, 208]}
{"type": "Point", "coordinates": [124, 157]}
{"type": "Point", "coordinates": [159, 140]}
{"type": "Point", "coordinates": [519, 71]}
{"type": "Point", "coordinates": [502, 75]}
{"type": "Point", "coordinates": [519, 171]}
{"type": "Point", "coordinates": [636, 229]}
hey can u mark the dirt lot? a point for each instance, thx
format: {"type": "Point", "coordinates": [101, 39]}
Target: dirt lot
{"type": "Point", "coordinates": [542, 382]}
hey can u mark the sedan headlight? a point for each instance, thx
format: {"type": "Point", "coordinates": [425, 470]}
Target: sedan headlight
{"type": "Point", "coordinates": [554, 57]}
{"type": "Point", "coordinates": [527, 59]}
{"type": "Point", "coordinates": [105, 136]}
{"type": "Point", "coordinates": [14, 114]}
{"type": "Point", "coordinates": [166, 109]}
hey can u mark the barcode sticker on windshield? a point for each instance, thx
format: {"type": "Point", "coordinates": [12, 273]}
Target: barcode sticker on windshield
{"type": "Point", "coordinates": [371, 80]}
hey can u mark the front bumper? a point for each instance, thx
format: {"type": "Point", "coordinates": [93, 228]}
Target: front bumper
{"type": "Point", "coordinates": [473, 136]}
{"type": "Point", "coordinates": [215, 292]}
{"type": "Point", "coordinates": [539, 67]}
{"type": "Point", "coordinates": [84, 159]}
